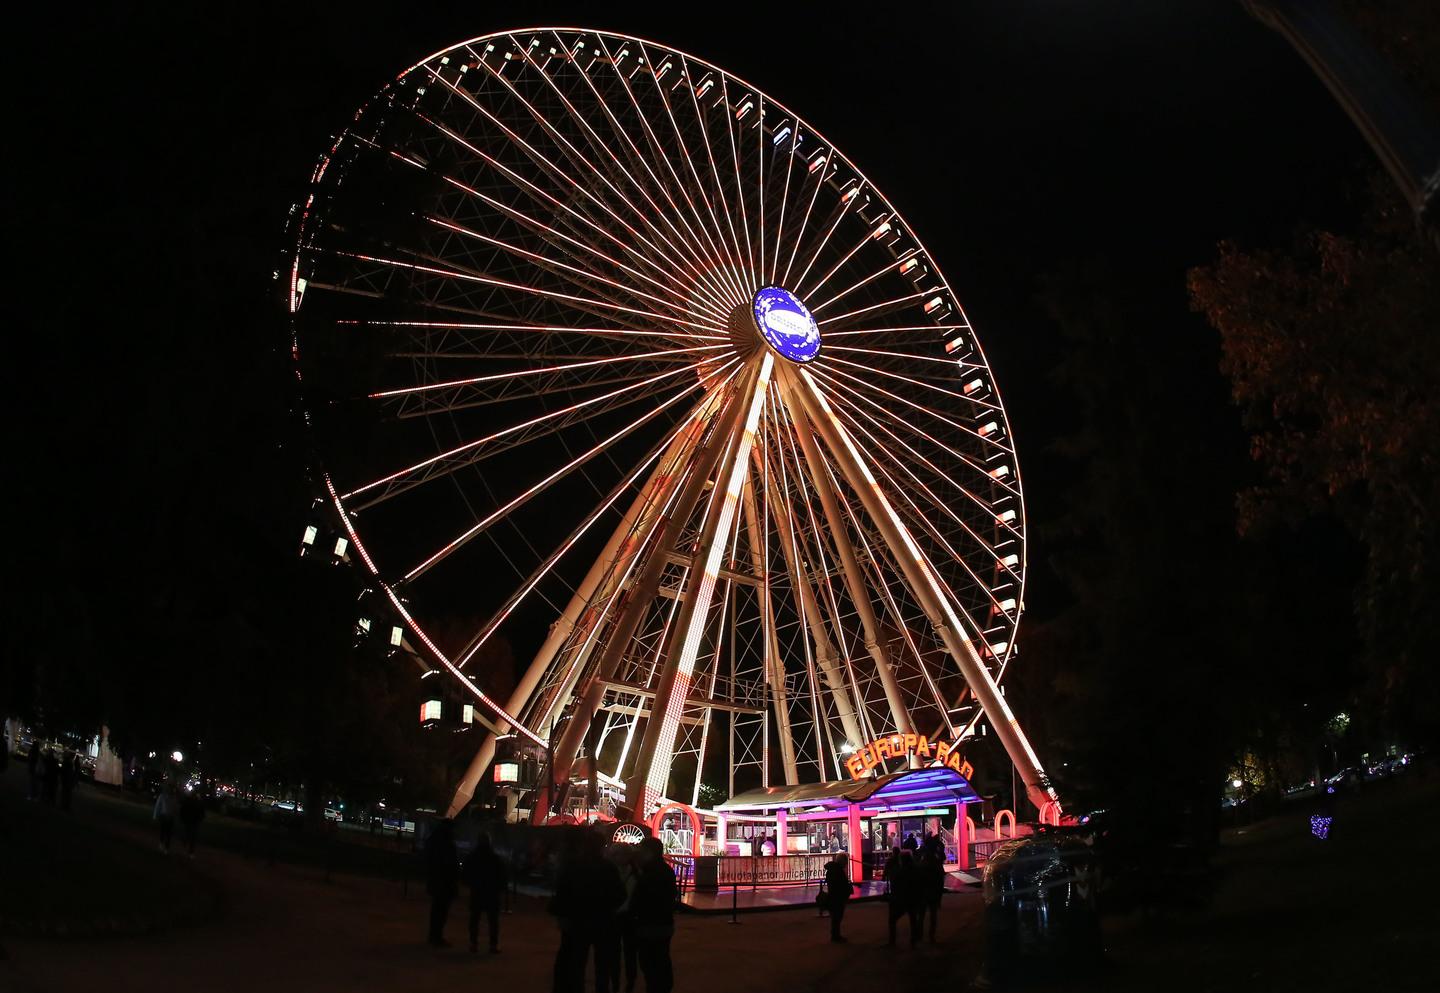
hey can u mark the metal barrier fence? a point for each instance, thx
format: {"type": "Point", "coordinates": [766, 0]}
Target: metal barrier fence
{"type": "Point", "coordinates": [754, 870]}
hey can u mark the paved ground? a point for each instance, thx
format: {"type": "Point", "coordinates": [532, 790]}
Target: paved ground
{"type": "Point", "coordinates": [1356, 912]}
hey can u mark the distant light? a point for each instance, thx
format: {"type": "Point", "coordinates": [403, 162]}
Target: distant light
{"type": "Point", "coordinates": [395, 635]}
{"type": "Point", "coordinates": [310, 532]}
{"type": "Point", "coordinates": [178, 755]}
{"type": "Point", "coordinates": [430, 711]}
{"type": "Point", "coordinates": [340, 545]}
{"type": "Point", "coordinates": [1236, 783]}
{"type": "Point", "coordinates": [467, 714]}
{"type": "Point", "coordinates": [846, 748]}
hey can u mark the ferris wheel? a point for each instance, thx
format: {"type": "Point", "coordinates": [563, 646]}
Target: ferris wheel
{"type": "Point", "coordinates": [608, 354]}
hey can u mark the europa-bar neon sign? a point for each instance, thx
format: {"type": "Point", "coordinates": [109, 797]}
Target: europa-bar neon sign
{"type": "Point", "coordinates": [902, 746]}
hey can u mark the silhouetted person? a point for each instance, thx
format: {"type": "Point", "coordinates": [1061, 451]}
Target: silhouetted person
{"type": "Point", "coordinates": [910, 844]}
{"type": "Point", "coordinates": [484, 873]}
{"type": "Point", "coordinates": [33, 761]}
{"type": "Point", "coordinates": [837, 893]}
{"type": "Point", "coordinates": [166, 807]}
{"type": "Point", "coordinates": [442, 877]}
{"type": "Point", "coordinates": [624, 949]}
{"type": "Point", "coordinates": [69, 774]}
{"type": "Point", "coordinates": [588, 892]}
{"type": "Point", "coordinates": [192, 812]}
{"type": "Point", "coordinates": [930, 887]}
{"type": "Point", "coordinates": [49, 776]}
{"type": "Point", "coordinates": [900, 886]}
{"type": "Point", "coordinates": [654, 909]}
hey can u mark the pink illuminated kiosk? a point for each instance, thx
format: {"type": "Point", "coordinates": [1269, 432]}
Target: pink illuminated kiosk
{"type": "Point", "coordinates": [595, 335]}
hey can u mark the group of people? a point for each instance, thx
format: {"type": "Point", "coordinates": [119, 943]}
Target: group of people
{"type": "Point", "coordinates": [618, 900]}
{"type": "Point", "coordinates": [915, 884]}
{"type": "Point", "coordinates": [615, 904]}
{"type": "Point", "coordinates": [53, 774]}
{"type": "Point", "coordinates": [483, 872]}
{"type": "Point", "coordinates": [187, 808]}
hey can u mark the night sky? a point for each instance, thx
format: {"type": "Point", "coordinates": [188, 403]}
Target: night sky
{"type": "Point", "coordinates": [160, 151]}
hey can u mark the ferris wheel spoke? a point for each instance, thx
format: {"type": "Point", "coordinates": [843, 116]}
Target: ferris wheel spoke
{"type": "Point", "coordinates": [714, 234]}
{"type": "Point", "coordinates": [545, 371]}
{"type": "Point", "coordinates": [712, 286]}
{"type": "Point", "coordinates": [884, 306]}
{"type": "Point", "coordinates": [889, 267]}
{"type": "Point", "coordinates": [473, 452]}
{"type": "Point", "coordinates": [820, 176]}
{"type": "Point", "coordinates": [560, 205]}
{"type": "Point", "coordinates": [624, 334]}
{"type": "Point", "coordinates": [700, 265]}
{"type": "Point", "coordinates": [560, 239]}
{"type": "Point", "coordinates": [844, 394]}
{"type": "Point", "coordinates": [577, 277]}
{"type": "Point", "coordinates": [892, 607]}
{"type": "Point", "coordinates": [870, 235]}
{"type": "Point", "coordinates": [659, 149]}
{"type": "Point", "coordinates": [536, 156]}
{"type": "Point", "coordinates": [901, 329]}
{"type": "Point", "coordinates": [741, 255]}
{"type": "Point", "coordinates": [833, 364]}
{"type": "Point", "coordinates": [474, 277]}
{"type": "Point", "coordinates": [492, 625]}
{"type": "Point", "coordinates": [554, 265]}
{"type": "Point", "coordinates": [926, 519]}
{"type": "Point", "coordinates": [951, 364]}
{"type": "Point", "coordinates": [740, 197]}
{"type": "Point", "coordinates": [548, 481]}
{"type": "Point", "coordinates": [784, 195]}
{"type": "Point", "coordinates": [544, 122]}
{"type": "Point", "coordinates": [840, 215]}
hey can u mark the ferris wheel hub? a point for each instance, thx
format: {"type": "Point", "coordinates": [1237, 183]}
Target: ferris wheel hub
{"type": "Point", "coordinates": [786, 324]}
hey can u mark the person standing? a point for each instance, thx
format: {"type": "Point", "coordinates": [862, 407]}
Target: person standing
{"type": "Point", "coordinates": [904, 897]}
{"type": "Point", "coordinates": [32, 759]}
{"type": "Point", "coordinates": [837, 893]}
{"type": "Point", "coordinates": [484, 873]}
{"type": "Point", "coordinates": [654, 909]}
{"type": "Point", "coordinates": [69, 773]}
{"type": "Point", "coordinates": [166, 807]}
{"type": "Point", "coordinates": [442, 873]}
{"type": "Point", "coordinates": [192, 812]}
{"type": "Point", "coordinates": [588, 892]}
{"type": "Point", "coordinates": [930, 887]}
{"type": "Point", "coordinates": [624, 951]}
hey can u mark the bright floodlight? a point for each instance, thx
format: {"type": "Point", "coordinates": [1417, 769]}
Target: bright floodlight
{"type": "Point", "coordinates": [611, 322]}
{"type": "Point", "coordinates": [177, 755]}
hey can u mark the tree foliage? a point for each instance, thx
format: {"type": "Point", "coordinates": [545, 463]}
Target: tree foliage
{"type": "Point", "coordinates": [1331, 349]}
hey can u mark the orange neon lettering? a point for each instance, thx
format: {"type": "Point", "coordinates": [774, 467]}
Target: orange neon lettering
{"type": "Point", "coordinates": [855, 765]}
{"type": "Point", "coordinates": [909, 742]}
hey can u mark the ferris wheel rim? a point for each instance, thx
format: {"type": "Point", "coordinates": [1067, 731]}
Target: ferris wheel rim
{"type": "Point", "coordinates": [514, 35]}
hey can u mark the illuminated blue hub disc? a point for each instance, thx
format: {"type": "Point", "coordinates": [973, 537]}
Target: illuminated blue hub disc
{"type": "Point", "coordinates": [786, 324]}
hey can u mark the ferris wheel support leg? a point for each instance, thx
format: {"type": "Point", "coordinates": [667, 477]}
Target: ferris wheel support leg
{"type": "Point", "coordinates": [652, 493]}
{"type": "Point", "coordinates": [804, 397]}
{"type": "Point", "coordinates": [774, 665]}
{"type": "Point", "coordinates": [824, 648]}
{"type": "Point", "coordinates": [646, 586]}
{"type": "Point", "coordinates": [854, 581]}
{"type": "Point", "coordinates": [652, 765]}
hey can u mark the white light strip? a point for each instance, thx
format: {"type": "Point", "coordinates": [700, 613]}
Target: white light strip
{"type": "Point", "coordinates": [658, 774]}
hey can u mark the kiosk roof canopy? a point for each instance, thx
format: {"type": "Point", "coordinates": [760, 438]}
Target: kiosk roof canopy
{"type": "Point", "coordinates": [909, 790]}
